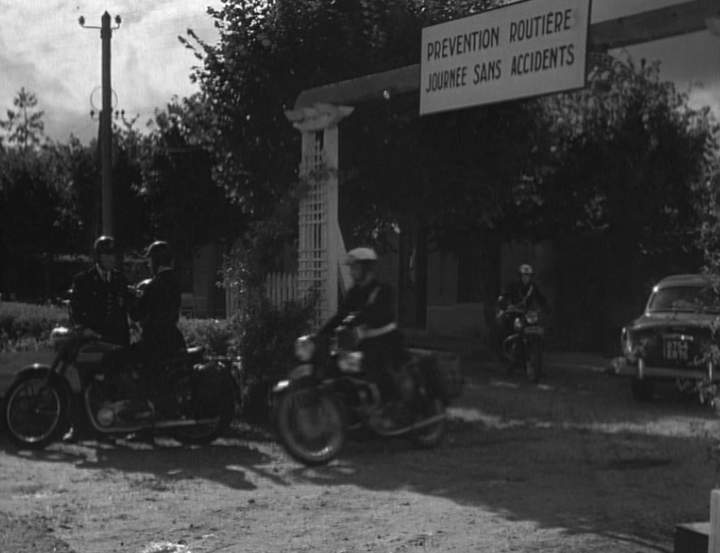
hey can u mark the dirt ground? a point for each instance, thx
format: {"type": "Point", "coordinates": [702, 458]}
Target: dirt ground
{"type": "Point", "coordinates": [572, 465]}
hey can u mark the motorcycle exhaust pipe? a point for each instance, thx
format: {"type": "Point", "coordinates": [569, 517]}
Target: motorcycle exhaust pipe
{"type": "Point", "coordinates": [186, 422]}
{"type": "Point", "coordinates": [416, 426]}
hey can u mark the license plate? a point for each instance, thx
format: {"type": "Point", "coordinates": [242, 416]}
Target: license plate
{"type": "Point", "coordinates": [676, 350]}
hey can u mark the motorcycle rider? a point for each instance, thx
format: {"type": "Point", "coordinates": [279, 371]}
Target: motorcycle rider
{"type": "Point", "coordinates": [157, 308]}
{"type": "Point", "coordinates": [371, 302]}
{"type": "Point", "coordinates": [99, 298]}
{"type": "Point", "coordinates": [523, 293]}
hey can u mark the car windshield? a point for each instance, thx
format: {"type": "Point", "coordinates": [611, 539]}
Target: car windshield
{"type": "Point", "coordinates": [685, 298]}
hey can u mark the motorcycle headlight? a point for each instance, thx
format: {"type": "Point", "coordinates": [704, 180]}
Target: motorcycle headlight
{"type": "Point", "coordinates": [304, 348]}
{"type": "Point", "coordinates": [532, 317]}
{"type": "Point", "coordinates": [59, 336]}
{"type": "Point", "coordinates": [518, 324]}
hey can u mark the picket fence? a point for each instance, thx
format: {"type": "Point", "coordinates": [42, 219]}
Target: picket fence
{"type": "Point", "coordinates": [281, 288]}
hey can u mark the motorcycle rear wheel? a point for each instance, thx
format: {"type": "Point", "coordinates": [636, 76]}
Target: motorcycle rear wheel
{"type": "Point", "coordinates": [431, 436]}
{"type": "Point", "coordinates": [203, 434]}
{"type": "Point", "coordinates": [36, 411]}
{"type": "Point", "coordinates": [310, 425]}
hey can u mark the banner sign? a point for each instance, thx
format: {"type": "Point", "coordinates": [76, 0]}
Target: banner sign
{"type": "Point", "coordinates": [520, 50]}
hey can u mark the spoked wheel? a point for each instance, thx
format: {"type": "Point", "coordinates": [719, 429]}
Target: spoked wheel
{"type": "Point", "coordinates": [219, 416]}
{"type": "Point", "coordinates": [310, 425]}
{"type": "Point", "coordinates": [36, 411]}
{"type": "Point", "coordinates": [431, 436]}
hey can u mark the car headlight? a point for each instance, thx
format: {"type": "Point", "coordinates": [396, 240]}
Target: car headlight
{"type": "Point", "coordinates": [304, 348]}
{"type": "Point", "coordinates": [518, 324]}
{"type": "Point", "coordinates": [532, 317]}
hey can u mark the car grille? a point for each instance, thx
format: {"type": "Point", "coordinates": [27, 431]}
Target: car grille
{"type": "Point", "coordinates": [674, 346]}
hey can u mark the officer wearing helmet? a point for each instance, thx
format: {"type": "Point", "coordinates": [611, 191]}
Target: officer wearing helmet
{"type": "Point", "coordinates": [99, 297]}
{"type": "Point", "coordinates": [372, 305]}
{"type": "Point", "coordinates": [522, 293]}
{"type": "Point", "coordinates": [157, 308]}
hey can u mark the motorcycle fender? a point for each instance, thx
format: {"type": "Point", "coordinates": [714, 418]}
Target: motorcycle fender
{"type": "Point", "coordinates": [40, 370]}
{"type": "Point", "coordinates": [297, 375]}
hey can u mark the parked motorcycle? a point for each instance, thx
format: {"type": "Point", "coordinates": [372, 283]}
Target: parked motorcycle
{"type": "Point", "coordinates": [328, 394]}
{"type": "Point", "coordinates": [523, 347]}
{"type": "Point", "coordinates": [193, 399]}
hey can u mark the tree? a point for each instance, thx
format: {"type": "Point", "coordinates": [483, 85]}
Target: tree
{"type": "Point", "coordinates": [24, 126]}
{"type": "Point", "coordinates": [181, 199]}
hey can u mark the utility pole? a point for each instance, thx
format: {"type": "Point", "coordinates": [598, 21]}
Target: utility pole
{"type": "Point", "coordinates": [106, 121]}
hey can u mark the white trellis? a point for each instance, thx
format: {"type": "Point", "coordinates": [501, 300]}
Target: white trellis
{"type": "Point", "coordinates": [320, 244]}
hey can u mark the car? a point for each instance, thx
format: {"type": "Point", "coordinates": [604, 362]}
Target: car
{"type": "Point", "coordinates": [675, 339]}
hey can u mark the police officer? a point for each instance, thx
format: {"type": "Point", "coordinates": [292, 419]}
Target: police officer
{"type": "Point", "coordinates": [371, 303]}
{"type": "Point", "coordinates": [157, 308]}
{"type": "Point", "coordinates": [523, 292]}
{"type": "Point", "coordinates": [99, 296]}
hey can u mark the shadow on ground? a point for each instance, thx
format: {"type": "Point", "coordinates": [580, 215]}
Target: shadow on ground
{"type": "Point", "coordinates": [226, 461]}
{"type": "Point", "coordinates": [575, 453]}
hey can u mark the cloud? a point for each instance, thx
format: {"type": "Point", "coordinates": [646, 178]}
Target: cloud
{"type": "Point", "coordinates": [49, 53]}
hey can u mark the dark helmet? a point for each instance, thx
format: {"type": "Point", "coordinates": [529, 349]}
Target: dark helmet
{"type": "Point", "coordinates": [104, 245]}
{"type": "Point", "coordinates": [159, 252]}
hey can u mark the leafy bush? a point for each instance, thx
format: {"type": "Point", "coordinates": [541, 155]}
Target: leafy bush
{"type": "Point", "coordinates": [217, 336]}
{"type": "Point", "coordinates": [266, 335]}
{"type": "Point", "coordinates": [27, 326]}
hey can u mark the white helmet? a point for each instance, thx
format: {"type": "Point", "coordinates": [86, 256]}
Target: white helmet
{"type": "Point", "coordinates": [525, 269]}
{"type": "Point", "coordinates": [361, 254]}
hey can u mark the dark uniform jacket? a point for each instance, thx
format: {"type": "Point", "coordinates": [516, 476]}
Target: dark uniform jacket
{"type": "Point", "coordinates": [158, 311]}
{"type": "Point", "coordinates": [522, 295]}
{"type": "Point", "coordinates": [100, 302]}
{"type": "Point", "coordinates": [372, 303]}
{"type": "Point", "coordinates": [374, 310]}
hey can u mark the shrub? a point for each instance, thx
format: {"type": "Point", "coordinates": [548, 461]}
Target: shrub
{"type": "Point", "coordinates": [218, 337]}
{"type": "Point", "coordinates": [266, 335]}
{"type": "Point", "coordinates": [28, 326]}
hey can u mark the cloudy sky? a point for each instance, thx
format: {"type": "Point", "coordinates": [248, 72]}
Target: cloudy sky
{"type": "Point", "coordinates": [43, 48]}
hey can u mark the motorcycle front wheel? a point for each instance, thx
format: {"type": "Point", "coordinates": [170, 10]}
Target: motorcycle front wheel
{"type": "Point", "coordinates": [36, 411]}
{"type": "Point", "coordinates": [310, 426]}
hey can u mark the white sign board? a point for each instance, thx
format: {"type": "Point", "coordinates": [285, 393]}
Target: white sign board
{"type": "Point", "coordinates": [520, 50]}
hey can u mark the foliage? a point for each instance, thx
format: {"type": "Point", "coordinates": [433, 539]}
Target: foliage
{"type": "Point", "coordinates": [22, 322]}
{"type": "Point", "coordinates": [269, 52]}
{"type": "Point", "coordinates": [182, 200]}
{"type": "Point", "coordinates": [266, 335]}
{"type": "Point", "coordinates": [24, 126]}
{"type": "Point", "coordinates": [218, 337]}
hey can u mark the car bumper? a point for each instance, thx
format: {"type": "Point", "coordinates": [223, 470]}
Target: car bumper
{"type": "Point", "coordinates": [622, 366]}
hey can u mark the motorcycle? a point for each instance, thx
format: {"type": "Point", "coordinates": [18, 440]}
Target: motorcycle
{"type": "Point", "coordinates": [327, 395]}
{"type": "Point", "coordinates": [523, 347]}
{"type": "Point", "coordinates": [193, 400]}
